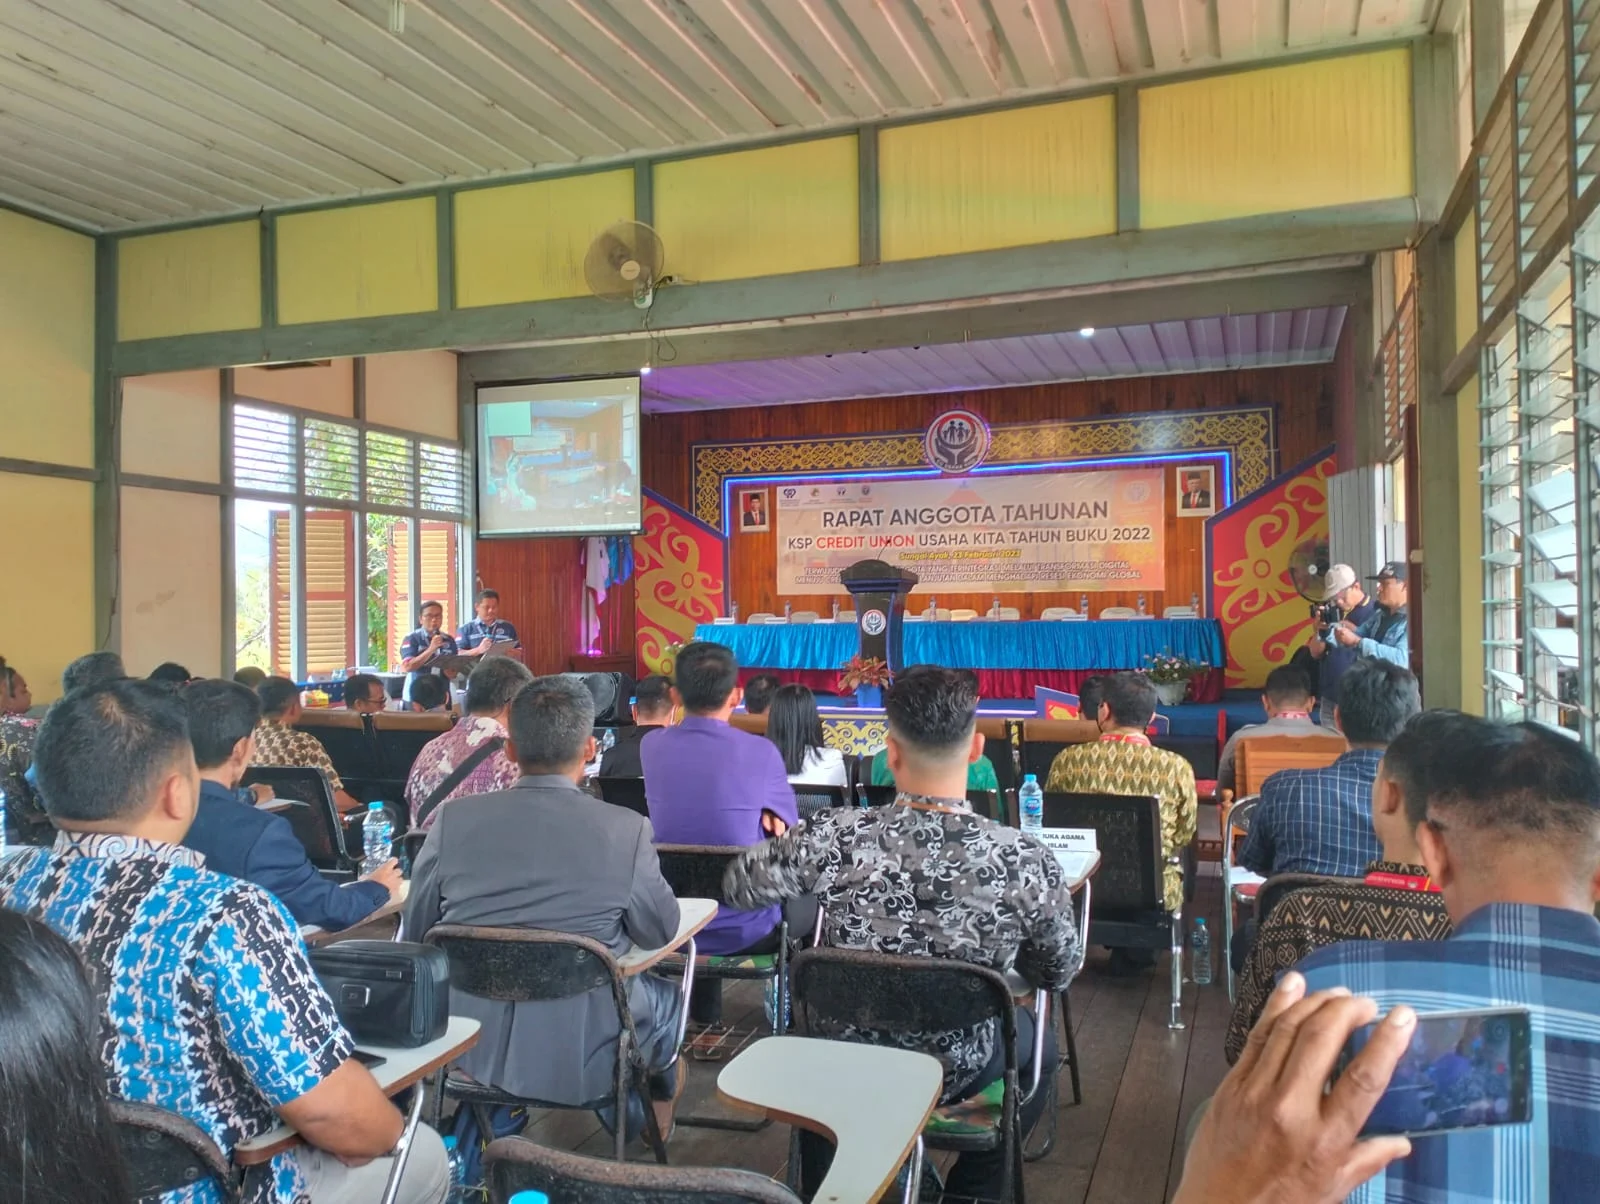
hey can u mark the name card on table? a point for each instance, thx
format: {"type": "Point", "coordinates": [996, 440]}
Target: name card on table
{"type": "Point", "coordinates": [1070, 840]}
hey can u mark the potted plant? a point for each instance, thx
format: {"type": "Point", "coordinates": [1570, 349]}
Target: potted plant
{"type": "Point", "coordinates": [865, 677]}
{"type": "Point", "coordinates": [1171, 675]}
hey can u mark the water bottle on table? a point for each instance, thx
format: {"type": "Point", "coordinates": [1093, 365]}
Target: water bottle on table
{"type": "Point", "coordinates": [1200, 953]}
{"type": "Point", "coordinates": [1083, 605]}
{"type": "Point", "coordinates": [1030, 802]}
{"type": "Point", "coordinates": [377, 838]}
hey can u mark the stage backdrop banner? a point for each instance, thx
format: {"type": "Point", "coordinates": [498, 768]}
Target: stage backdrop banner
{"type": "Point", "coordinates": [1012, 533]}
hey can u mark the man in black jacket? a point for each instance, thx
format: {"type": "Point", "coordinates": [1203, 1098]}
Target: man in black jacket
{"type": "Point", "coordinates": [236, 837]}
{"type": "Point", "coordinates": [652, 708]}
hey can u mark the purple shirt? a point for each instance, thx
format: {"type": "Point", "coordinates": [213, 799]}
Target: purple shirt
{"type": "Point", "coordinates": [707, 783]}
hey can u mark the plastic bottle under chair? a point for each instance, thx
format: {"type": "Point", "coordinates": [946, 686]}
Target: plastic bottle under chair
{"type": "Point", "coordinates": [1030, 803]}
{"type": "Point", "coordinates": [1200, 953]}
{"type": "Point", "coordinates": [377, 838]}
{"type": "Point", "coordinates": [530, 1197]}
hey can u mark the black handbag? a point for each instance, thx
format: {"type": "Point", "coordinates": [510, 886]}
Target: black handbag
{"type": "Point", "coordinates": [391, 993]}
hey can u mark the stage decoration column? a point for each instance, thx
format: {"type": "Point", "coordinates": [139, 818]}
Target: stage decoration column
{"type": "Point", "coordinates": [1248, 547]}
{"type": "Point", "coordinates": [681, 567]}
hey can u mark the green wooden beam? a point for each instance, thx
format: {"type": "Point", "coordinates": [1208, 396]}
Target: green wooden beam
{"type": "Point", "coordinates": [1127, 158]}
{"type": "Point", "coordinates": [867, 200]}
{"type": "Point", "coordinates": [1169, 300]}
{"type": "Point", "coordinates": [107, 452]}
{"type": "Point", "coordinates": [837, 293]}
{"type": "Point", "coordinates": [269, 280]}
{"type": "Point", "coordinates": [44, 468]}
{"type": "Point", "coordinates": [1433, 125]}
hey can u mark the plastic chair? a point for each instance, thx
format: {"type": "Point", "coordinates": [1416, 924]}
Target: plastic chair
{"type": "Point", "coordinates": [314, 818]}
{"type": "Point", "coordinates": [963, 615]}
{"type": "Point", "coordinates": [1180, 612]}
{"type": "Point", "coordinates": [625, 792]}
{"type": "Point", "coordinates": [760, 618]}
{"type": "Point", "coordinates": [401, 736]}
{"type": "Point", "coordinates": [847, 616]}
{"type": "Point", "coordinates": [840, 992]}
{"type": "Point", "coordinates": [351, 747]}
{"type": "Point", "coordinates": [1117, 612]}
{"type": "Point", "coordinates": [514, 1164]}
{"type": "Point", "coordinates": [522, 965]}
{"type": "Point", "coordinates": [803, 616]}
{"type": "Point", "coordinates": [1051, 614]}
{"type": "Point", "coordinates": [164, 1152]}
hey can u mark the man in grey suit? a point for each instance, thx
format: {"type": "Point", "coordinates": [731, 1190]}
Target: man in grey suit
{"type": "Point", "coordinates": [546, 855]}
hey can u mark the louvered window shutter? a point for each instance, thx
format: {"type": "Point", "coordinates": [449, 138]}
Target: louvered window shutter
{"type": "Point", "coordinates": [330, 638]}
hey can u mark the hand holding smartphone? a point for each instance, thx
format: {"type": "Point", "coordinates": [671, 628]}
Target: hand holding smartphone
{"type": "Point", "coordinates": [1462, 1070]}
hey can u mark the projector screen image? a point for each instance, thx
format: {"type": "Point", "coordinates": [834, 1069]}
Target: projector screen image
{"type": "Point", "coordinates": [559, 459]}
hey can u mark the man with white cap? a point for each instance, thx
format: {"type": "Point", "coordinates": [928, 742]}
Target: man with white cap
{"type": "Point", "coordinates": [1341, 587]}
{"type": "Point", "coordinates": [1383, 633]}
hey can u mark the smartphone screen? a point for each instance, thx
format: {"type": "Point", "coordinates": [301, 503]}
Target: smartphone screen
{"type": "Point", "coordinates": [1463, 1070]}
{"type": "Point", "coordinates": [369, 1060]}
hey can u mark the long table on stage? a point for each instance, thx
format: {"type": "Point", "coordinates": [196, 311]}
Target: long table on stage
{"type": "Point", "coordinates": [1010, 658]}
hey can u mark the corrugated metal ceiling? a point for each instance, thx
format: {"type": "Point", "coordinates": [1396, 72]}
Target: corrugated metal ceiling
{"type": "Point", "coordinates": [1301, 336]}
{"type": "Point", "coordinates": [124, 112]}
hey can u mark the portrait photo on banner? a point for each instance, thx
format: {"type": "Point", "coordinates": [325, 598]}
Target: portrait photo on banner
{"type": "Point", "coordinates": [1197, 491]}
{"type": "Point", "coordinates": [753, 514]}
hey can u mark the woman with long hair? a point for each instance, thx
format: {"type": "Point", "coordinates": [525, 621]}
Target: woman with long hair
{"type": "Point", "coordinates": [795, 727]}
{"type": "Point", "coordinates": [58, 1144]}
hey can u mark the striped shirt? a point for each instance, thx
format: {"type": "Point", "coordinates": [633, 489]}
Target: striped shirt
{"type": "Point", "coordinates": [1316, 821]}
{"type": "Point", "coordinates": [1504, 955]}
{"type": "Point", "coordinates": [210, 1006]}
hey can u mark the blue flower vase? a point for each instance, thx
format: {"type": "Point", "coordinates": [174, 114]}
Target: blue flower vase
{"type": "Point", "coordinates": [869, 696]}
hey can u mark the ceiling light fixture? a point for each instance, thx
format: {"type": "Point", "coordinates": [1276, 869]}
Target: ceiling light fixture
{"type": "Point", "coordinates": [645, 371]}
{"type": "Point", "coordinates": [397, 16]}
{"type": "Point", "coordinates": [1086, 331]}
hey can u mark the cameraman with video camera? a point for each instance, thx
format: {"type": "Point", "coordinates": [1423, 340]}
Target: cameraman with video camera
{"type": "Point", "coordinates": [1344, 602]}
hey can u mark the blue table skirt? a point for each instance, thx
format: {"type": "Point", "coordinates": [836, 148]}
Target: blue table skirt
{"type": "Point", "coordinates": [1115, 644]}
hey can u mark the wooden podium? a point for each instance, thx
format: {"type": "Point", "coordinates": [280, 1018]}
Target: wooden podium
{"type": "Point", "coordinates": [879, 591]}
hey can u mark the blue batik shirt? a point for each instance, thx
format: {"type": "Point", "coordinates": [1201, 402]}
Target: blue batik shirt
{"type": "Point", "coordinates": [210, 1008]}
{"type": "Point", "coordinates": [1316, 821]}
{"type": "Point", "coordinates": [1504, 955]}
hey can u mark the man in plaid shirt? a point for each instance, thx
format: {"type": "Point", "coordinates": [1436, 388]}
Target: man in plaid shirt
{"type": "Point", "coordinates": [1319, 821]}
{"type": "Point", "coordinates": [1510, 833]}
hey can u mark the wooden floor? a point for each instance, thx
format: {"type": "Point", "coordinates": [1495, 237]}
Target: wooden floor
{"type": "Point", "coordinates": [1122, 1145]}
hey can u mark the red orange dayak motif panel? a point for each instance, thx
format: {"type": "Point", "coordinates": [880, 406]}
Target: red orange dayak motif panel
{"type": "Point", "coordinates": [1248, 547]}
{"type": "Point", "coordinates": [680, 567]}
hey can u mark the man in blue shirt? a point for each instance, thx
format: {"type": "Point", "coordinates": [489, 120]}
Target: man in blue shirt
{"type": "Point", "coordinates": [488, 629]}
{"type": "Point", "coordinates": [236, 837]}
{"type": "Point", "coordinates": [426, 645]}
{"type": "Point", "coordinates": [1510, 833]}
{"type": "Point", "coordinates": [1383, 633]}
{"type": "Point", "coordinates": [1319, 821]}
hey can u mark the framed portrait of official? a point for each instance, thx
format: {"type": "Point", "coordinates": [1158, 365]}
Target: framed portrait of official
{"type": "Point", "coordinates": [753, 512]}
{"type": "Point", "coordinates": [1197, 491]}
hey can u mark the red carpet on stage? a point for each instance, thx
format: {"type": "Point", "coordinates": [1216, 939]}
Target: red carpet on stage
{"type": "Point", "coordinates": [993, 683]}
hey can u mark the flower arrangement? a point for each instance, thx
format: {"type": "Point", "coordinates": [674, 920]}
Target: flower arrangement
{"type": "Point", "coordinates": [861, 671]}
{"type": "Point", "coordinates": [1167, 668]}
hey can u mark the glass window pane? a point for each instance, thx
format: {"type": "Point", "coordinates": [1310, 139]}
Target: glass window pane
{"type": "Point", "coordinates": [443, 485]}
{"type": "Point", "coordinates": [263, 450]}
{"type": "Point", "coordinates": [391, 476]}
{"type": "Point", "coordinates": [332, 450]}
{"type": "Point", "coordinates": [390, 614]}
{"type": "Point", "coordinates": [263, 585]}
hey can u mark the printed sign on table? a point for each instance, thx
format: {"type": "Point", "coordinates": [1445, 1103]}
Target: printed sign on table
{"type": "Point", "coordinates": [1010, 533]}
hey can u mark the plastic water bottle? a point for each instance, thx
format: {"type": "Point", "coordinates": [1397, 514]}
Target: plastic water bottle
{"type": "Point", "coordinates": [377, 838]}
{"type": "Point", "coordinates": [771, 1003]}
{"type": "Point", "coordinates": [996, 611]}
{"type": "Point", "coordinates": [1030, 801]}
{"type": "Point", "coordinates": [836, 610]}
{"type": "Point", "coordinates": [733, 613]}
{"type": "Point", "coordinates": [1083, 605]}
{"type": "Point", "coordinates": [788, 608]}
{"type": "Point", "coordinates": [1194, 603]}
{"type": "Point", "coordinates": [2, 823]}
{"type": "Point", "coordinates": [1141, 604]}
{"type": "Point", "coordinates": [1200, 953]}
{"type": "Point", "coordinates": [530, 1197]}
{"type": "Point", "coordinates": [458, 1193]}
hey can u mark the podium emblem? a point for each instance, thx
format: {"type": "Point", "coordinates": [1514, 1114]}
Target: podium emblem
{"type": "Point", "coordinates": [874, 622]}
{"type": "Point", "coordinates": [957, 441]}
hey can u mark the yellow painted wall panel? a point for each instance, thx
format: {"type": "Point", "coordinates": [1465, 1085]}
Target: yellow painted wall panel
{"type": "Point", "coordinates": [171, 590]}
{"type": "Point", "coordinates": [1328, 132]}
{"type": "Point", "coordinates": [1466, 271]}
{"type": "Point", "coordinates": [526, 242]}
{"type": "Point", "coordinates": [1471, 549]}
{"type": "Point", "coordinates": [49, 533]}
{"type": "Point", "coordinates": [46, 343]}
{"type": "Point", "coordinates": [358, 261]}
{"type": "Point", "coordinates": [414, 391]}
{"type": "Point", "coordinates": [172, 425]}
{"type": "Point", "coordinates": [327, 388]}
{"type": "Point", "coordinates": [1008, 179]}
{"type": "Point", "coordinates": [189, 281]}
{"type": "Point", "coordinates": [761, 212]}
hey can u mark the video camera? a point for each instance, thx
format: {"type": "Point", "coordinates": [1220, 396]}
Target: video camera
{"type": "Point", "coordinates": [1324, 614]}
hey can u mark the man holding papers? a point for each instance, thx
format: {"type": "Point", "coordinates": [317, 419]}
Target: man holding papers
{"type": "Point", "coordinates": [488, 631]}
{"type": "Point", "coordinates": [926, 876]}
